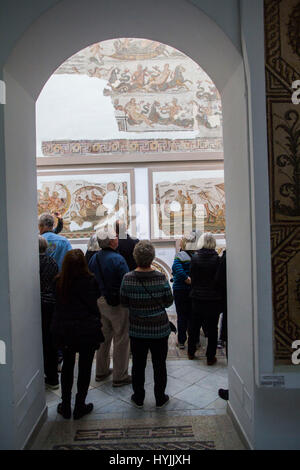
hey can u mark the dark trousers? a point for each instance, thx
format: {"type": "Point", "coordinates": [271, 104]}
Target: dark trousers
{"type": "Point", "coordinates": [204, 314]}
{"type": "Point", "coordinates": [49, 352]}
{"type": "Point", "coordinates": [159, 351]}
{"type": "Point", "coordinates": [183, 306]}
{"type": "Point", "coordinates": [86, 356]}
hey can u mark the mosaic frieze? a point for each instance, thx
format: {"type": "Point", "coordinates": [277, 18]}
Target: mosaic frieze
{"type": "Point", "coordinates": [102, 147]}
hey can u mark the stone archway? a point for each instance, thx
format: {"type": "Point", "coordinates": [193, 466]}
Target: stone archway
{"type": "Point", "coordinates": [50, 40]}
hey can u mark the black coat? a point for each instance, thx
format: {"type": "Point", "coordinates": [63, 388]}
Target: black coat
{"type": "Point", "coordinates": [76, 322]}
{"type": "Point", "coordinates": [125, 248]}
{"type": "Point", "coordinates": [221, 277]}
{"type": "Point", "coordinates": [204, 266]}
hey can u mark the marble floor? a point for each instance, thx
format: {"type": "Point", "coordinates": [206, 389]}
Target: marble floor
{"type": "Point", "coordinates": [193, 390]}
{"type": "Point", "coordinates": [192, 386]}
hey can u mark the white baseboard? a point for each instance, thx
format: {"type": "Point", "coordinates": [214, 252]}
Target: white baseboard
{"type": "Point", "coordinates": [239, 428]}
{"type": "Point", "coordinates": [36, 428]}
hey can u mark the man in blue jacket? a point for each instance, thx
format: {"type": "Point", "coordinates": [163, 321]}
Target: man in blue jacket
{"type": "Point", "coordinates": [109, 267]}
{"type": "Point", "coordinates": [58, 246]}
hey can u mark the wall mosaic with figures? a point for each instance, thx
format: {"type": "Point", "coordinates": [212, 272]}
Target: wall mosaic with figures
{"type": "Point", "coordinates": [87, 202]}
{"type": "Point", "coordinates": [185, 200]}
{"type": "Point", "coordinates": [282, 51]}
{"type": "Point", "coordinates": [159, 100]}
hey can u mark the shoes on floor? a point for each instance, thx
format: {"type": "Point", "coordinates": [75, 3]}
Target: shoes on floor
{"type": "Point", "coordinates": [223, 393]}
{"type": "Point", "coordinates": [64, 410]}
{"type": "Point", "coordinates": [137, 403]}
{"type": "Point", "coordinates": [211, 362]}
{"type": "Point", "coordinates": [163, 402]}
{"type": "Point", "coordinates": [51, 385]}
{"type": "Point", "coordinates": [191, 356]}
{"type": "Point", "coordinates": [82, 410]}
{"type": "Point", "coordinates": [100, 378]}
{"type": "Point", "coordinates": [120, 383]}
{"type": "Point", "coordinates": [220, 344]}
{"type": "Point", "coordinates": [180, 345]}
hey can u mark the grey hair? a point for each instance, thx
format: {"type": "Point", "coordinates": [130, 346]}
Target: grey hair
{"type": "Point", "coordinates": [93, 244]}
{"type": "Point", "coordinates": [43, 244]}
{"type": "Point", "coordinates": [207, 240]}
{"type": "Point", "coordinates": [46, 220]}
{"type": "Point", "coordinates": [104, 237]}
{"type": "Point", "coordinates": [191, 240]}
{"type": "Point", "coordinates": [144, 253]}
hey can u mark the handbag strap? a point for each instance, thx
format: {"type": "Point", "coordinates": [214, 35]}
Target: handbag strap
{"type": "Point", "coordinates": [150, 293]}
{"type": "Point", "coordinates": [172, 326]}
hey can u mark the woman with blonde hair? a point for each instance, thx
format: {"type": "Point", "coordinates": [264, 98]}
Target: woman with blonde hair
{"type": "Point", "coordinates": [206, 299]}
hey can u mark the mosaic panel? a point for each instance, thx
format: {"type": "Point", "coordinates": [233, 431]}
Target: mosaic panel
{"type": "Point", "coordinates": [153, 88]}
{"type": "Point", "coordinates": [282, 69]}
{"type": "Point", "coordinates": [86, 203]}
{"type": "Point", "coordinates": [183, 198]}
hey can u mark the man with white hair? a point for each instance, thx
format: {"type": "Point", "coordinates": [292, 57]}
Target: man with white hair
{"type": "Point", "coordinates": [109, 268]}
{"type": "Point", "coordinates": [58, 246]}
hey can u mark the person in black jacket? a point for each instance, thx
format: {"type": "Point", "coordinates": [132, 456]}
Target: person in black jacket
{"type": "Point", "coordinates": [206, 299]}
{"type": "Point", "coordinates": [222, 286]}
{"type": "Point", "coordinates": [48, 271]}
{"type": "Point", "coordinates": [76, 328]}
{"type": "Point", "coordinates": [126, 244]}
{"type": "Point", "coordinates": [60, 223]}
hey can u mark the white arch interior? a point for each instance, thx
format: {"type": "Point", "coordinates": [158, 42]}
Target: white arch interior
{"type": "Point", "coordinates": [51, 40]}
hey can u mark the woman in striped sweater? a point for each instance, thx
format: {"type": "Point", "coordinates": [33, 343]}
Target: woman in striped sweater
{"type": "Point", "coordinates": [147, 293]}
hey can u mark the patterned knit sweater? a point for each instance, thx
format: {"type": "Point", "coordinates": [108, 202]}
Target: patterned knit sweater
{"type": "Point", "coordinates": [147, 294]}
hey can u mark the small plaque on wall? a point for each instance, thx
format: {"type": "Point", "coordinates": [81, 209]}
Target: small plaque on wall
{"type": "Point", "coordinates": [272, 381]}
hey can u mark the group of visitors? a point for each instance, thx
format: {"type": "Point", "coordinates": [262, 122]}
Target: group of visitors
{"type": "Point", "coordinates": [200, 295]}
{"type": "Point", "coordinates": [113, 294]}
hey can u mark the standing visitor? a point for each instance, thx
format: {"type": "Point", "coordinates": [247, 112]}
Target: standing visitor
{"type": "Point", "coordinates": [76, 328]}
{"type": "Point", "coordinates": [109, 268]}
{"type": "Point", "coordinates": [147, 294]}
{"type": "Point", "coordinates": [206, 299]}
{"type": "Point", "coordinates": [126, 244]}
{"type": "Point", "coordinates": [58, 246]}
{"type": "Point", "coordinates": [221, 283]}
{"type": "Point", "coordinates": [48, 271]}
{"type": "Point", "coordinates": [181, 291]}
{"type": "Point", "coordinates": [92, 247]}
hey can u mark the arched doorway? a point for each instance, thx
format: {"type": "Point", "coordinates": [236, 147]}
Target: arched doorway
{"type": "Point", "coordinates": [55, 38]}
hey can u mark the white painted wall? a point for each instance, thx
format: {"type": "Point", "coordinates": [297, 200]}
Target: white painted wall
{"type": "Point", "coordinates": [89, 22]}
{"type": "Point", "coordinates": [268, 418]}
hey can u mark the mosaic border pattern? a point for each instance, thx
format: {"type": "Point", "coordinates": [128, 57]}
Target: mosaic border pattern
{"type": "Point", "coordinates": [181, 446]}
{"type": "Point", "coordinates": [144, 432]}
{"type": "Point", "coordinates": [126, 146]}
{"type": "Point", "coordinates": [281, 115]}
